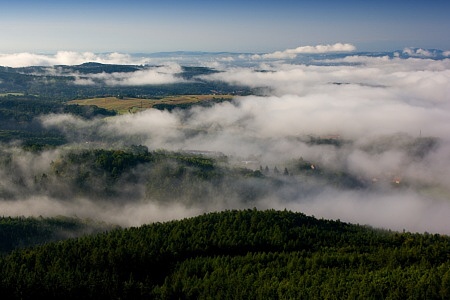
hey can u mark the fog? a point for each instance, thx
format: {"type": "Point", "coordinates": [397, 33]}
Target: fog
{"type": "Point", "coordinates": [390, 115]}
{"type": "Point", "coordinates": [66, 58]}
{"type": "Point", "coordinates": [151, 75]}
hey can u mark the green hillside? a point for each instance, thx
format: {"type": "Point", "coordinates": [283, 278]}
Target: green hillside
{"type": "Point", "coordinates": [245, 254]}
{"type": "Point", "coordinates": [62, 84]}
{"type": "Point", "coordinates": [21, 232]}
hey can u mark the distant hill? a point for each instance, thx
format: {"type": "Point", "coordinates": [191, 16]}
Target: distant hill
{"type": "Point", "coordinates": [64, 82]}
{"type": "Point", "coordinates": [246, 254]}
{"type": "Point", "coordinates": [30, 92]}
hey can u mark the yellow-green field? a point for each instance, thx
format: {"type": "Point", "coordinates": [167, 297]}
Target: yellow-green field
{"type": "Point", "coordinates": [132, 105]}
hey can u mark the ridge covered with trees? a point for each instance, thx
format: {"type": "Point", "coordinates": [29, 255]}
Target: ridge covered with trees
{"type": "Point", "coordinates": [136, 174]}
{"type": "Point", "coordinates": [246, 254]}
{"type": "Point", "coordinates": [58, 82]}
{"type": "Point", "coordinates": [21, 232]}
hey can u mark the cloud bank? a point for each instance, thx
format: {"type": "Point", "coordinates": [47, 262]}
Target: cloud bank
{"type": "Point", "coordinates": [387, 118]}
{"type": "Point", "coordinates": [25, 59]}
{"type": "Point", "coordinates": [292, 53]}
{"type": "Point", "coordinates": [67, 58]}
{"type": "Point", "coordinates": [151, 75]}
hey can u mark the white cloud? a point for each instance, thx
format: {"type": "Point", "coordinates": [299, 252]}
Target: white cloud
{"type": "Point", "coordinates": [83, 81]}
{"type": "Point", "coordinates": [366, 100]}
{"type": "Point", "coordinates": [418, 52]}
{"type": "Point", "coordinates": [423, 81]}
{"type": "Point", "coordinates": [403, 210]}
{"type": "Point", "coordinates": [292, 53]}
{"type": "Point", "coordinates": [377, 97]}
{"type": "Point", "coordinates": [159, 127]}
{"type": "Point", "coordinates": [151, 75]}
{"type": "Point", "coordinates": [126, 215]}
{"type": "Point", "coordinates": [66, 58]}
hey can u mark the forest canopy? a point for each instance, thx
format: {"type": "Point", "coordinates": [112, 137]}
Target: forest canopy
{"type": "Point", "coordinates": [234, 254]}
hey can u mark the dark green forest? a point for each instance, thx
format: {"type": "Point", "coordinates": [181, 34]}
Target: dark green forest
{"type": "Point", "coordinates": [21, 232]}
{"type": "Point", "coordinates": [247, 254]}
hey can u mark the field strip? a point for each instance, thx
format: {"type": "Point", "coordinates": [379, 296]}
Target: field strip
{"type": "Point", "coordinates": [130, 105]}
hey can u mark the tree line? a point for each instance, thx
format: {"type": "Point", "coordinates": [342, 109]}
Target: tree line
{"type": "Point", "coordinates": [238, 254]}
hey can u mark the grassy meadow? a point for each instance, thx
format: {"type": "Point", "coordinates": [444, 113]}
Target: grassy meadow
{"type": "Point", "coordinates": [132, 105]}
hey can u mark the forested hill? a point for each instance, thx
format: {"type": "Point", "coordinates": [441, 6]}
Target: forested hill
{"type": "Point", "coordinates": [245, 254]}
{"type": "Point", "coordinates": [21, 232]}
{"type": "Point", "coordinates": [62, 82]}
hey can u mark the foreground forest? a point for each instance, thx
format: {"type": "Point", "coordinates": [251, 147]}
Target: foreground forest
{"type": "Point", "coordinates": [238, 254]}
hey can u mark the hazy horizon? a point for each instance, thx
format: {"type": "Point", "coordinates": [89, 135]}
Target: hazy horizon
{"type": "Point", "coordinates": [298, 55]}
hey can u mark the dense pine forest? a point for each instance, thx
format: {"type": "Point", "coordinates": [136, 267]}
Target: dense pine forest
{"type": "Point", "coordinates": [238, 254]}
{"type": "Point", "coordinates": [21, 232]}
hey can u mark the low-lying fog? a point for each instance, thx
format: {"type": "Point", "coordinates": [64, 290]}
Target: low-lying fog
{"type": "Point", "coordinates": [389, 116]}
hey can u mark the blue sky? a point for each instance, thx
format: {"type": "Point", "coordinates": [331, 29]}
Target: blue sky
{"type": "Point", "coordinates": [238, 26]}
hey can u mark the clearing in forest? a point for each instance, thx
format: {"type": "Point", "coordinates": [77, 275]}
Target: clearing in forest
{"type": "Point", "coordinates": [131, 105]}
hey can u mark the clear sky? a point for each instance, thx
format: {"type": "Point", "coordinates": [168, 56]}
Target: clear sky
{"type": "Point", "coordinates": [240, 26]}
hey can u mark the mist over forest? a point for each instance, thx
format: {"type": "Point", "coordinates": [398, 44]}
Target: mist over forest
{"type": "Point", "coordinates": [359, 137]}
